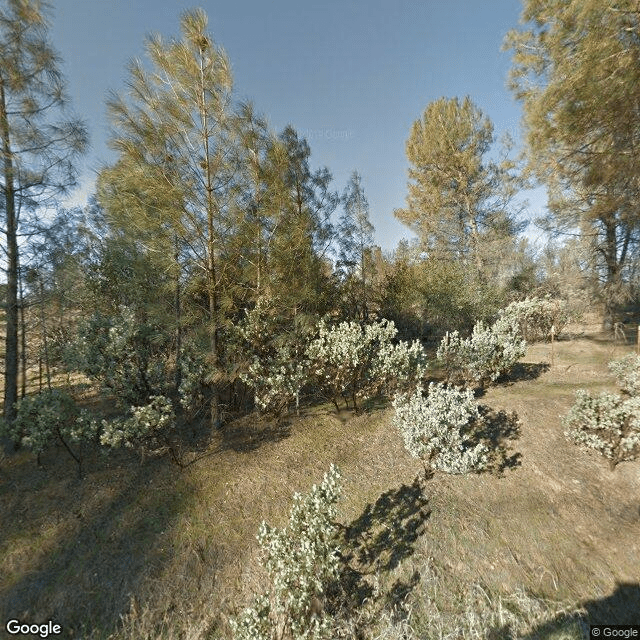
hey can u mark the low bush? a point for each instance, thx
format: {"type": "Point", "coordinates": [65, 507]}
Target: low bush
{"type": "Point", "coordinates": [143, 428]}
{"type": "Point", "coordinates": [627, 372]}
{"type": "Point", "coordinates": [351, 361]}
{"type": "Point", "coordinates": [607, 423]}
{"type": "Point", "coordinates": [46, 418]}
{"type": "Point", "coordinates": [484, 356]}
{"type": "Point", "coordinates": [438, 428]}
{"type": "Point", "coordinates": [536, 317]}
{"type": "Point", "coordinates": [301, 560]}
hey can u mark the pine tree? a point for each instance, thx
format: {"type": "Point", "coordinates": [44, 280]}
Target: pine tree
{"type": "Point", "coordinates": [458, 202]}
{"type": "Point", "coordinates": [355, 241]}
{"type": "Point", "coordinates": [304, 204]}
{"type": "Point", "coordinates": [39, 144]}
{"type": "Point", "coordinates": [576, 69]}
{"type": "Point", "coordinates": [174, 133]}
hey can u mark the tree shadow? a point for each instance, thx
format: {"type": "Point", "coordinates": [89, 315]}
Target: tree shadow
{"type": "Point", "coordinates": [376, 542]}
{"type": "Point", "coordinates": [496, 430]}
{"type": "Point", "coordinates": [76, 551]}
{"type": "Point", "coordinates": [251, 432]}
{"type": "Point", "coordinates": [524, 371]}
{"type": "Point", "coordinates": [622, 607]}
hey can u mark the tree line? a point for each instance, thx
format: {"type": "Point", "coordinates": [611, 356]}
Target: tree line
{"type": "Point", "coordinates": [207, 214]}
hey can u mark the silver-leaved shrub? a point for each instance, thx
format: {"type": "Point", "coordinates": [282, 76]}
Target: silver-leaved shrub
{"type": "Point", "coordinates": [193, 386]}
{"type": "Point", "coordinates": [146, 424]}
{"type": "Point", "coordinates": [43, 418]}
{"type": "Point", "coordinates": [608, 423]}
{"type": "Point", "coordinates": [485, 355]}
{"type": "Point", "coordinates": [122, 354]}
{"type": "Point", "coordinates": [438, 428]}
{"type": "Point", "coordinates": [277, 381]}
{"type": "Point", "coordinates": [627, 372]}
{"type": "Point", "coordinates": [275, 364]}
{"type": "Point", "coordinates": [301, 560]}
{"type": "Point", "coordinates": [352, 361]}
{"type": "Point", "coordinates": [537, 316]}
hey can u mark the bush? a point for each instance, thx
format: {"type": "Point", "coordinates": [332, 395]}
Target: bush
{"type": "Point", "coordinates": [485, 355]}
{"type": "Point", "coordinates": [437, 429]}
{"type": "Point", "coordinates": [353, 361]}
{"type": "Point", "coordinates": [270, 351]}
{"type": "Point", "coordinates": [193, 387]}
{"type": "Point", "coordinates": [627, 371]}
{"type": "Point", "coordinates": [536, 316]}
{"type": "Point", "coordinates": [122, 354]}
{"type": "Point", "coordinates": [607, 423]}
{"type": "Point", "coordinates": [277, 381]}
{"type": "Point", "coordinates": [146, 424]}
{"type": "Point", "coordinates": [43, 418]}
{"type": "Point", "coordinates": [301, 560]}
{"type": "Point", "coordinates": [48, 417]}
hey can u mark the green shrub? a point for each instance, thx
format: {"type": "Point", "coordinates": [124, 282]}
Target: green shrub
{"type": "Point", "coordinates": [437, 428]}
{"type": "Point", "coordinates": [301, 560]}
{"type": "Point", "coordinates": [485, 355]}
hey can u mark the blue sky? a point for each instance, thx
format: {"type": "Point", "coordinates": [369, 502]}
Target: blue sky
{"type": "Point", "coordinates": [350, 75]}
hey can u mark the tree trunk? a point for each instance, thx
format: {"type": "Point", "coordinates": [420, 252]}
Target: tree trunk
{"type": "Point", "coordinates": [23, 344]}
{"type": "Point", "coordinates": [11, 351]}
{"type": "Point", "coordinates": [45, 342]}
{"type": "Point", "coordinates": [212, 284]}
{"type": "Point", "coordinates": [613, 275]}
{"type": "Point", "coordinates": [178, 314]}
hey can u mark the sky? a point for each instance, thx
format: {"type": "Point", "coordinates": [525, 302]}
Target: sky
{"type": "Point", "coordinates": [350, 75]}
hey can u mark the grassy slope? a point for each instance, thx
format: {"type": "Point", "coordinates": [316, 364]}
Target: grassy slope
{"type": "Point", "coordinates": [453, 557]}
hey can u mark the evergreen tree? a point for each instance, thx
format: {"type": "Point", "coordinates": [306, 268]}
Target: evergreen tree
{"type": "Point", "coordinates": [355, 242]}
{"type": "Point", "coordinates": [576, 69]}
{"type": "Point", "coordinates": [302, 237]}
{"type": "Point", "coordinates": [39, 145]}
{"type": "Point", "coordinates": [458, 200]}
{"type": "Point", "coordinates": [174, 133]}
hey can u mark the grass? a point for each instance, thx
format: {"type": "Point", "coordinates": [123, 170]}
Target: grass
{"type": "Point", "coordinates": [537, 549]}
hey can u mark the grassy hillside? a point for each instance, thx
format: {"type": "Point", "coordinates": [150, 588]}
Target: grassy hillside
{"type": "Point", "coordinates": [537, 549]}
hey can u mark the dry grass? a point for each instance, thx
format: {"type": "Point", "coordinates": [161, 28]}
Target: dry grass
{"type": "Point", "coordinates": [534, 551]}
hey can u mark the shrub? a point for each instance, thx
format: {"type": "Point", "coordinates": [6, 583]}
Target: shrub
{"type": "Point", "coordinates": [122, 354]}
{"type": "Point", "coordinates": [48, 417]}
{"type": "Point", "coordinates": [145, 425]}
{"type": "Point", "coordinates": [536, 316]}
{"type": "Point", "coordinates": [627, 371]}
{"type": "Point", "coordinates": [437, 429]}
{"type": "Point", "coordinates": [485, 355]}
{"type": "Point", "coordinates": [193, 386]}
{"type": "Point", "coordinates": [354, 361]}
{"type": "Point", "coordinates": [607, 423]}
{"type": "Point", "coordinates": [277, 381]}
{"type": "Point", "coordinates": [301, 559]}
{"type": "Point", "coordinates": [272, 355]}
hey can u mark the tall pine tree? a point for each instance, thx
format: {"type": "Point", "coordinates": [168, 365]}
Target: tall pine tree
{"type": "Point", "coordinates": [39, 144]}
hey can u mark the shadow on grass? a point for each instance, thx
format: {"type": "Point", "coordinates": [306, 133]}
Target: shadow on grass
{"type": "Point", "coordinates": [622, 607]}
{"type": "Point", "coordinates": [496, 430]}
{"type": "Point", "coordinates": [376, 542]}
{"type": "Point", "coordinates": [525, 371]}
{"type": "Point", "coordinates": [251, 432]}
{"type": "Point", "coordinates": [75, 552]}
